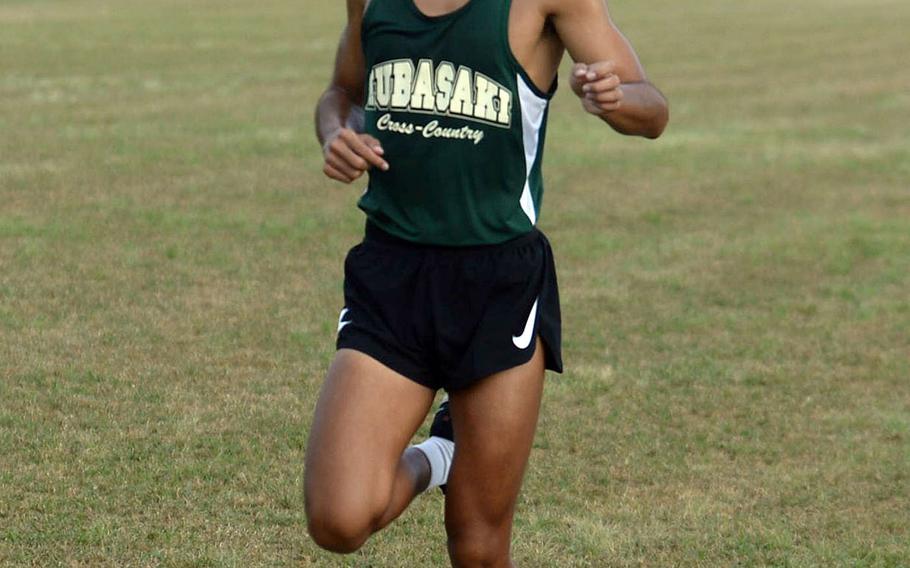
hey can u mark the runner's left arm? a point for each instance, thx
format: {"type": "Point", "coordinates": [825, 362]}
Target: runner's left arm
{"type": "Point", "coordinates": [608, 76]}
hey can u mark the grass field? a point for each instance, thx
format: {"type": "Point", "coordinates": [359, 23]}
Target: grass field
{"type": "Point", "coordinates": [736, 295]}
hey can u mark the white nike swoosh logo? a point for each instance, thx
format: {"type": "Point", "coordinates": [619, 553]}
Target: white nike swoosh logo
{"type": "Point", "coordinates": [341, 323]}
{"type": "Point", "coordinates": [524, 340]}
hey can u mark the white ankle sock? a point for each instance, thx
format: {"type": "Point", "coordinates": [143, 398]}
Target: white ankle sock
{"type": "Point", "coordinates": [439, 453]}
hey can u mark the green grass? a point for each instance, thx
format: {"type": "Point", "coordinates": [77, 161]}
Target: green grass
{"type": "Point", "coordinates": [736, 295]}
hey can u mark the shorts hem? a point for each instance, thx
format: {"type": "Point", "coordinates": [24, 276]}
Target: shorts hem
{"type": "Point", "coordinates": [375, 350]}
{"type": "Point", "coordinates": [552, 362]}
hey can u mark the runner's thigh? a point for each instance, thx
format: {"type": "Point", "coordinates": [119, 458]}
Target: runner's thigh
{"type": "Point", "coordinates": [494, 421]}
{"type": "Point", "coordinates": [364, 419]}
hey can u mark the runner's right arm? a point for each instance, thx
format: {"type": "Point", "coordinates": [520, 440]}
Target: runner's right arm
{"type": "Point", "coordinates": [339, 118]}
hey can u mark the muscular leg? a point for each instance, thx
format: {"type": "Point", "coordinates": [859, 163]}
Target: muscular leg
{"type": "Point", "coordinates": [358, 475]}
{"type": "Point", "coordinates": [494, 423]}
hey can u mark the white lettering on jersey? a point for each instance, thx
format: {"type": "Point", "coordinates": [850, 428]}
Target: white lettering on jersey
{"type": "Point", "coordinates": [430, 130]}
{"type": "Point", "coordinates": [399, 85]}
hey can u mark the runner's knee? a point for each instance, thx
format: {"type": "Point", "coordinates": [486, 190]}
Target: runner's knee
{"type": "Point", "coordinates": [341, 523]}
{"type": "Point", "coordinates": [339, 529]}
{"type": "Point", "coordinates": [478, 545]}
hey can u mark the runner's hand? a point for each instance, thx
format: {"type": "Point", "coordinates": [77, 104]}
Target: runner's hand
{"type": "Point", "coordinates": [349, 154]}
{"type": "Point", "coordinates": [598, 87]}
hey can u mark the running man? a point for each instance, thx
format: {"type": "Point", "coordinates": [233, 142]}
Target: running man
{"type": "Point", "coordinates": [444, 104]}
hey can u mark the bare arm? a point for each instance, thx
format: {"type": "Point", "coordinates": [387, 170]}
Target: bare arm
{"type": "Point", "coordinates": [608, 77]}
{"type": "Point", "coordinates": [339, 118]}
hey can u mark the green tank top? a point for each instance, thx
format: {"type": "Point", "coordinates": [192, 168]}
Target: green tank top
{"type": "Point", "coordinates": [461, 123]}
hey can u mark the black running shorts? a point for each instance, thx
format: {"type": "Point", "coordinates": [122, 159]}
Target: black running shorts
{"type": "Point", "coordinates": [446, 317]}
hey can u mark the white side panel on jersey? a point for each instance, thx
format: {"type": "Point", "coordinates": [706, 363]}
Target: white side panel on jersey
{"type": "Point", "coordinates": [532, 113]}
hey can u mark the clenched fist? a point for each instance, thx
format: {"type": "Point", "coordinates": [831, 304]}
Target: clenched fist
{"type": "Point", "coordinates": [598, 87]}
{"type": "Point", "coordinates": [349, 154]}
